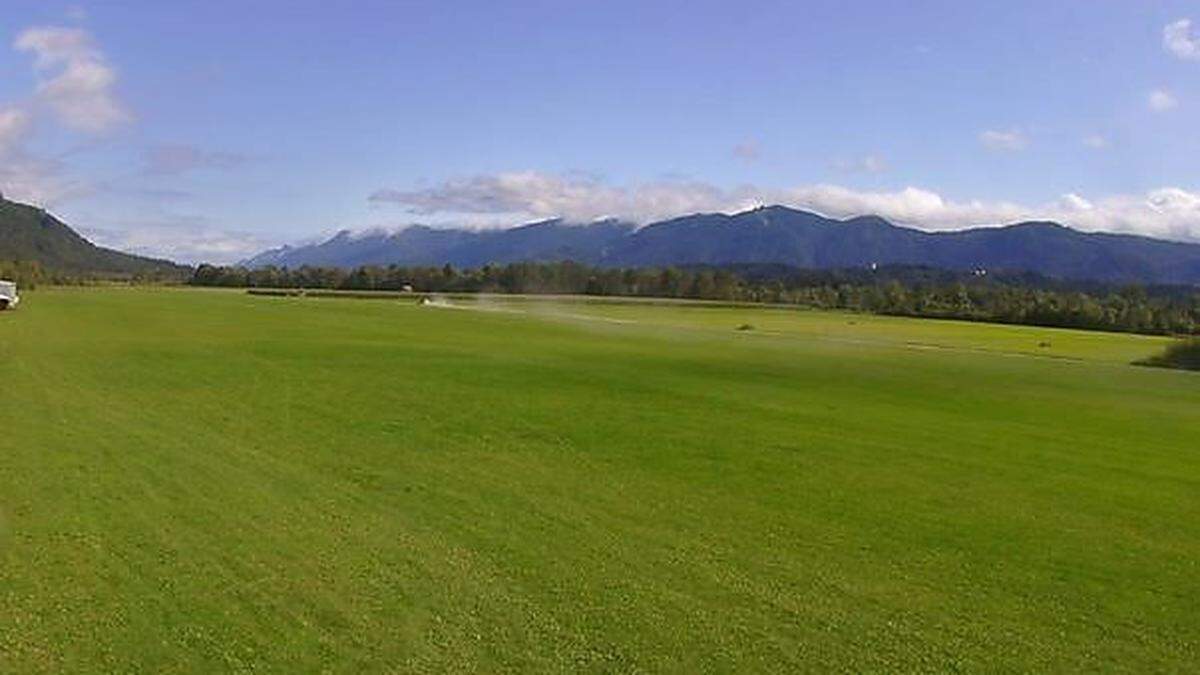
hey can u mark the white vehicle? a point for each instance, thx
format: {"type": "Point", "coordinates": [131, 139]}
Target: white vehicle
{"type": "Point", "coordinates": [8, 295]}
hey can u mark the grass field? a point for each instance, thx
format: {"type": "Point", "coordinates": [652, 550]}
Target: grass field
{"type": "Point", "coordinates": [205, 481]}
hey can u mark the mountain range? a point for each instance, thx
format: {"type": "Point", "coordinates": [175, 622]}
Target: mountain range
{"type": "Point", "coordinates": [772, 234]}
{"type": "Point", "coordinates": [769, 235]}
{"type": "Point", "coordinates": [28, 233]}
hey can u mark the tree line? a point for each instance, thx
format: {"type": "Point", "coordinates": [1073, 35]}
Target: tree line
{"type": "Point", "coordinates": [29, 274]}
{"type": "Point", "coordinates": [903, 291]}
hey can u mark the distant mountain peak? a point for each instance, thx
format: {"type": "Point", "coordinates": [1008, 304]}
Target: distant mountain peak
{"type": "Point", "coordinates": [870, 221]}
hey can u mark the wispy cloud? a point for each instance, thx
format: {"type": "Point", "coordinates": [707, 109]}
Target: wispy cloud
{"type": "Point", "coordinates": [77, 83]}
{"type": "Point", "coordinates": [509, 198]}
{"type": "Point", "coordinates": [76, 89]}
{"type": "Point", "coordinates": [1095, 142]}
{"type": "Point", "coordinates": [25, 176]}
{"type": "Point", "coordinates": [1006, 140]}
{"type": "Point", "coordinates": [182, 238]}
{"type": "Point", "coordinates": [40, 181]}
{"type": "Point", "coordinates": [175, 159]}
{"type": "Point", "coordinates": [1179, 40]}
{"type": "Point", "coordinates": [14, 128]}
{"type": "Point", "coordinates": [1161, 100]}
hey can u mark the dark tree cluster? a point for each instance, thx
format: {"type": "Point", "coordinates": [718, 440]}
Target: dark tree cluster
{"type": "Point", "coordinates": [903, 291]}
{"type": "Point", "coordinates": [27, 274]}
{"type": "Point", "coordinates": [1181, 355]}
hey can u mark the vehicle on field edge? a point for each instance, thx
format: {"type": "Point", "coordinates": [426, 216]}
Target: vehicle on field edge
{"type": "Point", "coordinates": [8, 295]}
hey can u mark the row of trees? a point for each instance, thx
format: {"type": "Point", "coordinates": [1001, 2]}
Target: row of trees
{"type": "Point", "coordinates": [26, 273]}
{"type": "Point", "coordinates": [903, 291]}
{"type": "Point", "coordinates": [29, 274]}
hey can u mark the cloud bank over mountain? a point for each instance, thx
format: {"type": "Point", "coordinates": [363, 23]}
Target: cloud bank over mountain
{"type": "Point", "coordinates": [1169, 212]}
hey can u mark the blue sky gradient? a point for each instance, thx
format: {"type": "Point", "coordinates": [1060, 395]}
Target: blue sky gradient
{"type": "Point", "coordinates": [244, 124]}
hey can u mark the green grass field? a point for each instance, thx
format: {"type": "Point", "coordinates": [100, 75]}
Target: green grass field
{"type": "Point", "coordinates": [205, 481]}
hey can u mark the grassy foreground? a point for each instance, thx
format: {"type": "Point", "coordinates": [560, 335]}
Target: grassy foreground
{"type": "Point", "coordinates": [204, 481]}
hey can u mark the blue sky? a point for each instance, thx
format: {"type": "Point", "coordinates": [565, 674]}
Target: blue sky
{"type": "Point", "coordinates": [208, 130]}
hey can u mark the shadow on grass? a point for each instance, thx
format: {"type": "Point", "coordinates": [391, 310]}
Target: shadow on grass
{"type": "Point", "coordinates": [1182, 355]}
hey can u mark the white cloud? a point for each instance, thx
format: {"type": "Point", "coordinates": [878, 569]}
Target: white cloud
{"type": "Point", "coordinates": [1161, 100]}
{"type": "Point", "coordinates": [1095, 142]}
{"type": "Point", "coordinates": [76, 88]}
{"type": "Point", "coordinates": [78, 83]}
{"type": "Point", "coordinates": [186, 239]}
{"type": "Point", "coordinates": [539, 195]}
{"type": "Point", "coordinates": [1170, 212]}
{"type": "Point", "coordinates": [909, 206]}
{"type": "Point", "coordinates": [14, 129]}
{"type": "Point", "coordinates": [1178, 40]}
{"type": "Point", "coordinates": [508, 198]}
{"type": "Point", "coordinates": [1009, 140]}
{"type": "Point", "coordinates": [1074, 202]}
{"type": "Point", "coordinates": [25, 177]}
{"type": "Point", "coordinates": [39, 181]}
